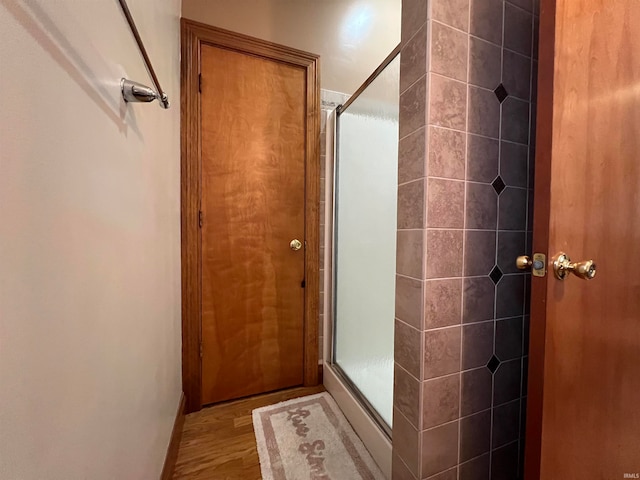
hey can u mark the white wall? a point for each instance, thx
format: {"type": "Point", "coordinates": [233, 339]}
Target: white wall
{"type": "Point", "coordinates": [89, 242]}
{"type": "Point", "coordinates": [352, 36]}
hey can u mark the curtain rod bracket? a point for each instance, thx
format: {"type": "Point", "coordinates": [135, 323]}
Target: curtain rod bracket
{"type": "Point", "coordinates": [137, 92]}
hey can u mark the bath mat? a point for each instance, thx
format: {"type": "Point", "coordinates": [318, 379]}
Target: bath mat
{"type": "Point", "coordinates": [308, 438]}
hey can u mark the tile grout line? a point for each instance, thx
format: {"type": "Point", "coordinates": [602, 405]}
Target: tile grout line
{"type": "Point", "coordinates": [468, 230]}
{"type": "Point", "coordinates": [425, 160]}
{"type": "Point", "coordinates": [411, 133]}
{"type": "Point", "coordinates": [425, 206]}
{"type": "Point", "coordinates": [410, 87]}
{"type": "Point", "coordinates": [470, 133]}
{"type": "Point", "coordinates": [407, 372]}
{"type": "Point", "coordinates": [493, 381]}
{"type": "Point", "coordinates": [423, 259]}
{"type": "Point", "coordinates": [404, 46]}
{"type": "Point", "coordinates": [464, 242]}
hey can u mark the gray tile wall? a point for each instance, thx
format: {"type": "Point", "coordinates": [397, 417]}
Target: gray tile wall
{"type": "Point", "coordinates": [464, 215]}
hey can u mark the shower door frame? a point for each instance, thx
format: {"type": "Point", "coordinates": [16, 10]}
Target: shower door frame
{"type": "Point", "coordinates": [369, 425]}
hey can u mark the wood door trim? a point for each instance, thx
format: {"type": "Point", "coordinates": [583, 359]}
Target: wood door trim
{"type": "Point", "coordinates": [193, 36]}
{"type": "Point", "coordinates": [541, 217]}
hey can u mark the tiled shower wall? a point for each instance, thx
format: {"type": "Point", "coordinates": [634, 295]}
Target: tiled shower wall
{"type": "Point", "coordinates": [464, 196]}
{"type": "Point", "coordinates": [329, 100]}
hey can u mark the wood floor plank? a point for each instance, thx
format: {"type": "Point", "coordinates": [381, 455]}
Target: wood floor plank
{"type": "Point", "coordinates": [218, 442]}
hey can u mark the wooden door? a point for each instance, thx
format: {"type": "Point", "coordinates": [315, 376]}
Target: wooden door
{"type": "Point", "coordinates": [253, 206]}
{"type": "Point", "coordinates": [584, 375]}
{"type": "Point", "coordinates": [250, 178]}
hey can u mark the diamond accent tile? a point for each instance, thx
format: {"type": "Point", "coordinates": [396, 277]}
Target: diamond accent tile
{"type": "Point", "coordinates": [501, 93]}
{"type": "Point", "coordinates": [498, 185]}
{"type": "Point", "coordinates": [493, 364]}
{"type": "Point", "coordinates": [496, 274]}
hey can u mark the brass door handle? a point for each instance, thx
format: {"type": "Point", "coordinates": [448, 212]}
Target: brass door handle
{"type": "Point", "coordinates": [563, 266]}
{"type": "Point", "coordinates": [295, 245]}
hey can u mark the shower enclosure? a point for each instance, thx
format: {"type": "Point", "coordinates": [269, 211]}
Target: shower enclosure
{"type": "Point", "coordinates": [363, 252]}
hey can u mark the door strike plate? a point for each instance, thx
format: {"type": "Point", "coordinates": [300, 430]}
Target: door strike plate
{"type": "Point", "coordinates": [539, 266]}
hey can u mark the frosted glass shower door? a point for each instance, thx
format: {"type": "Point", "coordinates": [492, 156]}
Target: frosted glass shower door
{"type": "Point", "coordinates": [365, 240]}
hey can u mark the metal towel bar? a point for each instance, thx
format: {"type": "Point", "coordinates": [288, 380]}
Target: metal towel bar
{"type": "Point", "coordinates": [133, 91]}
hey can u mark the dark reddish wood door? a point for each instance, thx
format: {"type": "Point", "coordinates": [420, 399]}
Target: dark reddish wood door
{"type": "Point", "coordinates": [584, 376]}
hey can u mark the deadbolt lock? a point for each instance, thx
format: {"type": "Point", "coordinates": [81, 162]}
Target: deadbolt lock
{"type": "Point", "coordinates": [537, 265]}
{"type": "Point", "coordinates": [563, 266]}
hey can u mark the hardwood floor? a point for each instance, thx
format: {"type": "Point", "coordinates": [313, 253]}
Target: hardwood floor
{"type": "Point", "coordinates": [218, 442]}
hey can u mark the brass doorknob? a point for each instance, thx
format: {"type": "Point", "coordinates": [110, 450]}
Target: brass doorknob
{"type": "Point", "coordinates": [295, 245]}
{"type": "Point", "coordinates": [563, 266]}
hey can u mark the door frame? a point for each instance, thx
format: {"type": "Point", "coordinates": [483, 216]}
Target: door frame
{"type": "Point", "coordinates": [541, 218]}
{"type": "Point", "coordinates": [193, 36]}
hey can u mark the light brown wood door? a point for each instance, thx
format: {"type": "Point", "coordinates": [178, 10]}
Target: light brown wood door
{"type": "Point", "coordinates": [584, 375]}
{"type": "Point", "coordinates": [253, 206]}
